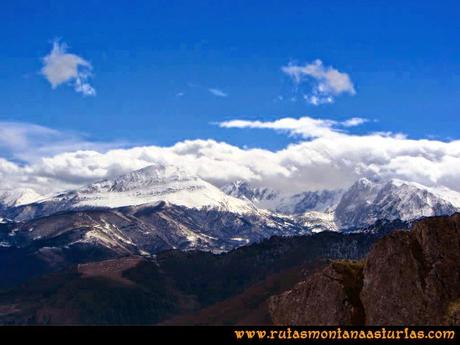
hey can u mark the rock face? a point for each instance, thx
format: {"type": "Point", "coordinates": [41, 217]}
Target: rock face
{"type": "Point", "coordinates": [328, 297]}
{"type": "Point", "coordinates": [409, 278]}
{"type": "Point", "coordinates": [414, 277]}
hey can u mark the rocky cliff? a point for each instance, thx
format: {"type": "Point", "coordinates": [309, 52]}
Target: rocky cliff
{"type": "Point", "coordinates": [409, 277]}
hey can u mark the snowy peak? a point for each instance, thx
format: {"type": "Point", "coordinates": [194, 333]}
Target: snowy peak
{"type": "Point", "coordinates": [361, 205]}
{"type": "Point", "coordinates": [366, 202]}
{"type": "Point", "coordinates": [150, 185]}
{"type": "Point", "coordinates": [293, 204]}
{"type": "Point", "coordinates": [262, 197]}
{"type": "Point", "coordinates": [355, 201]}
{"type": "Point", "coordinates": [18, 197]}
{"type": "Point", "coordinates": [406, 201]}
{"type": "Point", "coordinates": [317, 201]}
{"type": "Point", "coordinates": [148, 177]}
{"type": "Point", "coordinates": [241, 189]}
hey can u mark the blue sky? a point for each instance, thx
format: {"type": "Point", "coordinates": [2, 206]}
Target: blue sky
{"type": "Point", "coordinates": [154, 63]}
{"type": "Point", "coordinates": [327, 91]}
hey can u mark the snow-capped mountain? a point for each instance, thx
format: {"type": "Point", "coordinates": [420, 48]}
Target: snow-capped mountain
{"type": "Point", "coordinates": [18, 197]}
{"type": "Point", "coordinates": [361, 205]}
{"type": "Point", "coordinates": [366, 202]}
{"type": "Point", "coordinates": [155, 208]}
{"type": "Point", "coordinates": [318, 201]}
{"type": "Point", "coordinates": [262, 197]}
{"type": "Point", "coordinates": [267, 198]}
{"type": "Point", "coordinates": [149, 185]}
{"type": "Point", "coordinates": [163, 207]}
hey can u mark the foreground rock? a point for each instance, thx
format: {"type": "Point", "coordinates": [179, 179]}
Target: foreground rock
{"type": "Point", "coordinates": [329, 297]}
{"type": "Point", "coordinates": [410, 278]}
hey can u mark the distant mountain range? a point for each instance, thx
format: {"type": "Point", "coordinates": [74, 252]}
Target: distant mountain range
{"type": "Point", "coordinates": [360, 205]}
{"type": "Point", "coordinates": [163, 207]}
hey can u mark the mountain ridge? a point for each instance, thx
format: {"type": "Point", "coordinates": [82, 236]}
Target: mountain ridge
{"type": "Point", "coordinates": [362, 204]}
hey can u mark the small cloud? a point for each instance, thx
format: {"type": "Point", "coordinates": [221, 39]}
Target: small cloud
{"type": "Point", "coordinates": [354, 121]}
{"type": "Point", "coordinates": [327, 82]}
{"type": "Point", "coordinates": [217, 92]}
{"type": "Point", "coordinates": [180, 94]}
{"type": "Point", "coordinates": [60, 67]}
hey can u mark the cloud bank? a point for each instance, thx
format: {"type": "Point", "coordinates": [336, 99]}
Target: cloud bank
{"type": "Point", "coordinates": [326, 82]}
{"type": "Point", "coordinates": [324, 162]}
{"type": "Point", "coordinates": [60, 67]}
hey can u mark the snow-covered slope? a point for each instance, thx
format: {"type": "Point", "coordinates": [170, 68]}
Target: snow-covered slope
{"type": "Point", "coordinates": [366, 201]}
{"type": "Point", "coordinates": [159, 183]}
{"type": "Point", "coordinates": [18, 197]}
{"type": "Point", "coordinates": [149, 185]}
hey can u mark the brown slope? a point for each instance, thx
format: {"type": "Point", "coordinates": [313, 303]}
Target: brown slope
{"type": "Point", "coordinates": [251, 306]}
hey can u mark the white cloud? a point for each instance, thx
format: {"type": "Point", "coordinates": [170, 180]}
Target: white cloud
{"type": "Point", "coordinates": [217, 92]}
{"type": "Point", "coordinates": [327, 82]}
{"type": "Point", "coordinates": [354, 121]}
{"type": "Point", "coordinates": [306, 127]}
{"type": "Point", "coordinates": [60, 67]}
{"type": "Point", "coordinates": [324, 162]}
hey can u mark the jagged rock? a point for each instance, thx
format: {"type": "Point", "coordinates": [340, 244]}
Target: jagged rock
{"type": "Point", "coordinates": [411, 277]}
{"type": "Point", "coordinates": [329, 297]}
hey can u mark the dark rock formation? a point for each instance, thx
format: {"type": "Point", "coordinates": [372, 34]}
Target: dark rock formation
{"type": "Point", "coordinates": [412, 277]}
{"type": "Point", "coordinates": [329, 297]}
{"type": "Point", "coordinates": [409, 278]}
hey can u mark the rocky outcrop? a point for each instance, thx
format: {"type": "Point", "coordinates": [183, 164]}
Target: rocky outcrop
{"type": "Point", "coordinates": [328, 297]}
{"type": "Point", "coordinates": [410, 278]}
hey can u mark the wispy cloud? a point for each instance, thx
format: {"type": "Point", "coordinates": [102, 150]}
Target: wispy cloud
{"type": "Point", "coordinates": [28, 142]}
{"type": "Point", "coordinates": [60, 67]}
{"type": "Point", "coordinates": [325, 82]}
{"type": "Point", "coordinates": [217, 92]}
{"type": "Point", "coordinates": [306, 127]}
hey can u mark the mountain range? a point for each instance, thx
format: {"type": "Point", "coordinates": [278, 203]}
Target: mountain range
{"type": "Point", "coordinates": [360, 205]}
{"type": "Point", "coordinates": [164, 207]}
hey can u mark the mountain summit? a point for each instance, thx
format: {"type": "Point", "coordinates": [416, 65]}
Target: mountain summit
{"type": "Point", "coordinates": [150, 185]}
